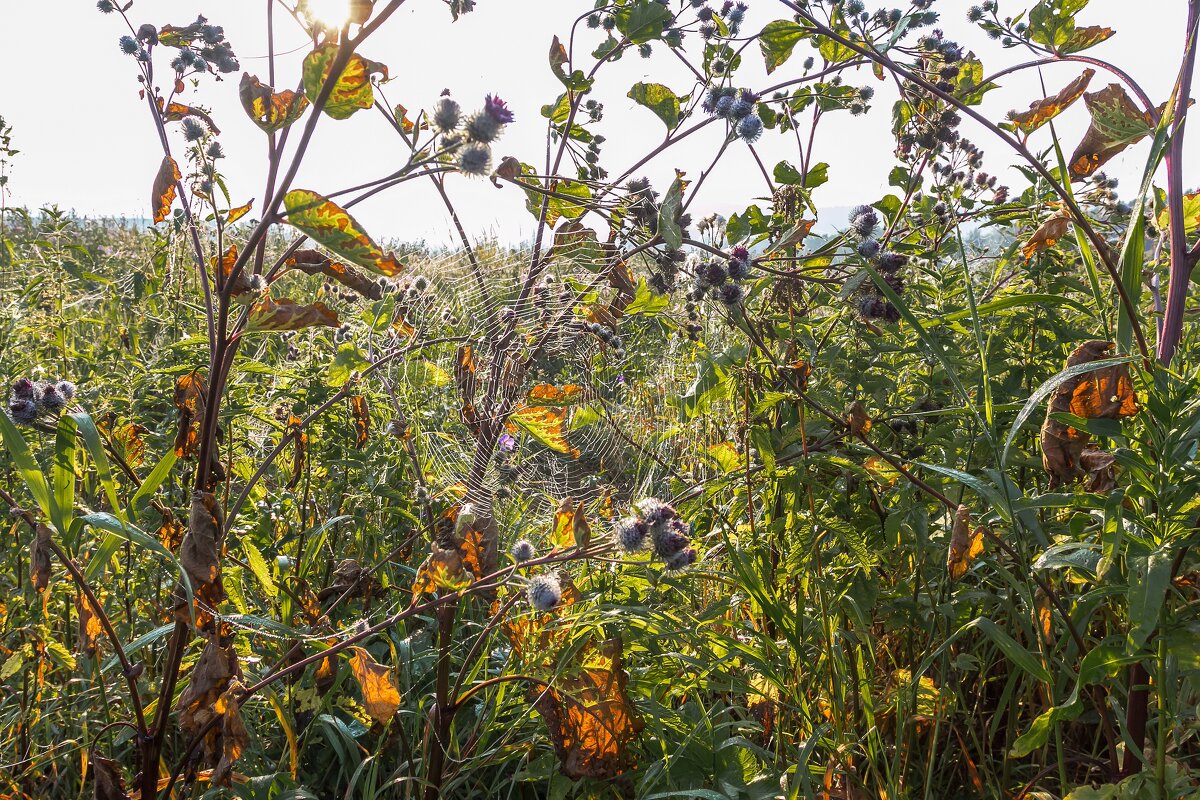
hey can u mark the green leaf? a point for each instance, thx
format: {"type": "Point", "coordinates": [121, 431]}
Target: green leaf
{"type": "Point", "coordinates": [786, 174]}
{"type": "Point", "coordinates": [123, 531]}
{"type": "Point", "coordinates": [1149, 578]}
{"type": "Point", "coordinates": [332, 226]}
{"type": "Point", "coordinates": [1052, 22]}
{"type": "Point", "coordinates": [95, 448]}
{"type": "Point", "coordinates": [26, 466]}
{"type": "Point", "coordinates": [63, 474]}
{"type": "Point", "coordinates": [777, 40]}
{"type": "Point", "coordinates": [647, 302]}
{"type": "Point", "coordinates": [346, 362]}
{"type": "Point", "coordinates": [352, 88]}
{"type": "Point", "coordinates": [668, 216]}
{"type": "Point", "coordinates": [817, 175]}
{"type": "Point", "coordinates": [258, 565]}
{"type": "Point", "coordinates": [1024, 659]}
{"type": "Point", "coordinates": [642, 20]}
{"type": "Point", "coordinates": [576, 81]}
{"type": "Point", "coordinates": [152, 482]}
{"type": "Point", "coordinates": [659, 99]}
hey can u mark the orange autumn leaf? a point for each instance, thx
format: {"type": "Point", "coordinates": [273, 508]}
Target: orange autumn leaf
{"type": "Point", "coordinates": [171, 531]}
{"type": "Point", "coordinates": [547, 425]}
{"type": "Point", "coordinates": [589, 715]}
{"type": "Point", "coordinates": [128, 439]}
{"type": "Point", "coordinates": [174, 112]}
{"type": "Point", "coordinates": [1046, 109]}
{"type": "Point", "coordinates": [571, 527]}
{"type": "Point", "coordinates": [1048, 233]}
{"type": "Point", "coordinates": [539, 636]}
{"type": "Point", "coordinates": [472, 549]}
{"type": "Point", "coordinates": [90, 628]}
{"type": "Point", "coordinates": [965, 545]}
{"type": "Point", "coordinates": [237, 213]}
{"type": "Point", "coordinates": [162, 194]}
{"type": "Point", "coordinates": [857, 419]}
{"type": "Point", "coordinates": [464, 372]}
{"type": "Point", "coordinates": [268, 109]}
{"type": "Point", "coordinates": [331, 225]}
{"type": "Point", "coordinates": [190, 392]}
{"type": "Point", "coordinates": [234, 736]}
{"type": "Point", "coordinates": [1117, 123]}
{"type": "Point", "coordinates": [442, 570]}
{"type": "Point", "coordinates": [313, 262]}
{"type": "Point", "coordinates": [381, 698]}
{"type": "Point", "coordinates": [546, 394]}
{"type": "Point", "coordinates": [1104, 394]}
{"type": "Point", "coordinates": [362, 420]}
{"type": "Point", "coordinates": [286, 315]}
{"type": "Point", "coordinates": [225, 264]}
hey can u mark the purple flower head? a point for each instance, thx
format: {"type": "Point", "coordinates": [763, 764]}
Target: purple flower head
{"type": "Point", "coordinates": [507, 443]}
{"type": "Point", "coordinates": [23, 387]}
{"type": "Point", "coordinates": [497, 110]}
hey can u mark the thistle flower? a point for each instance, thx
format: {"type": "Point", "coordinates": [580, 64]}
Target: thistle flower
{"type": "Point", "coordinates": [731, 294]}
{"type": "Point", "coordinates": [684, 558]}
{"type": "Point", "coordinates": [129, 45]}
{"type": "Point", "coordinates": [52, 399]}
{"type": "Point", "coordinates": [749, 129]}
{"type": "Point", "coordinates": [655, 511]}
{"type": "Point", "coordinates": [868, 248]}
{"type": "Point", "coordinates": [544, 592]}
{"type": "Point", "coordinates": [22, 411]}
{"type": "Point", "coordinates": [670, 543]}
{"type": "Point", "coordinates": [713, 274]}
{"type": "Point", "coordinates": [106, 6]}
{"type": "Point", "coordinates": [447, 114]}
{"type": "Point", "coordinates": [739, 266]}
{"type": "Point", "coordinates": [192, 130]}
{"type": "Point", "coordinates": [523, 550]}
{"type": "Point", "coordinates": [864, 220]}
{"type": "Point", "coordinates": [24, 389]}
{"type": "Point", "coordinates": [741, 109]}
{"type": "Point", "coordinates": [724, 106]}
{"type": "Point", "coordinates": [214, 150]}
{"type": "Point", "coordinates": [630, 534]}
{"type": "Point", "coordinates": [495, 108]}
{"type": "Point", "coordinates": [475, 159]}
{"type": "Point", "coordinates": [890, 262]}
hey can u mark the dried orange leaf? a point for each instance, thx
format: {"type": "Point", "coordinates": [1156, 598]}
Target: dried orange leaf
{"type": "Point", "coordinates": [286, 315]}
{"type": "Point", "coordinates": [90, 628]}
{"type": "Point", "coordinates": [200, 556]}
{"type": "Point", "coordinates": [128, 439]}
{"type": "Point", "coordinates": [109, 783]}
{"type": "Point", "coordinates": [571, 527]}
{"type": "Point", "coordinates": [39, 558]}
{"type": "Point", "coordinates": [237, 213]}
{"type": "Point", "coordinates": [177, 111]}
{"type": "Point", "coordinates": [1042, 111]}
{"type": "Point", "coordinates": [1100, 468]}
{"type": "Point", "coordinates": [548, 426]}
{"type": "Point", "coordinates": [362, 420]}
{"type": "Point", "coordinates": [331, 225]}
{"type": "Point", "coordinates": [314, 262]}
{"type": "Point", "coordinates": [299, 438]}
{"type": "Point", "coordinates": [270, 110]}
{"type": "Point", "coordinates": [857, 419]}
{"type": "Point", "coordinates": [442, 570]}
{"type": "Point", "coordinates": [1117, 123]}
{"type": "Point", "coordinates": [380, 695]}
{"type": "Point", "coordinates": [190, 393]}
{"type": "Point", "coordinates": [1054, 228]}
{"type": "Point", "coordinates": [546, 394]}
{"type": "Point", "coordinates": [965, 544]}
{"type": "Point", "coordinates": [162, 195]}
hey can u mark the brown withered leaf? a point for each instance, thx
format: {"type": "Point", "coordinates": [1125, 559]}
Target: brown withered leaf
{"type": "Point", "coordinates": [191, 391]}
{"type": "Point", "coordinates": [162, 194]}
{"type": "Point", "coordinates": [350, 579]}
{"type": "Point", "coordinates": [90, 628]}
{"type": "Point", "coordinates": [39, 558]}
{"type": "Point", "coordinates": [287, 315]}
{"type": "Point", "coordinates": [1117, 123]}
{"type": "Point", "coordinates": [1106, 393]}
{"type": "Point", "coordinates": [857, 419]}
{"type": "Point", "coordinates": [965, 544]}
{"type": "Point", "coordinates": [571, 527]}
{"type": "Point", "coordinates": [362, 420]}
{"type": "Point", "coordinates": [170, 533]}
{"type": "Point", "coordinates": [1046, 109]}
{"type": "Point", "coordinates": [1055, 227]}
{"type": "Point", "coordinates": [1099, 468]}
{"type": "Point", "coordinates": [295, 431]}
{"type": "Point", "coordinates": [107, 781]}
{"type": "Point", "coordinates": [590, 717]}
{"type": "Point", "coordinates": [381, 698]}
{"type": "Point", "coordinates": [268, 109]}
{"type": "Point", "coordinates": [200, 555]}
{"type": "Point", "coordinates": [314, 262]}
{"type": "Point", "coordinates": [174, 112]}
{"type": "Point", "coordinates": [201, 701]}
{"type": "Point", "coordinates": [442, 570]}
{"type": "Point", "coordinates": [128, 440]}
{"type": "Point", "coordinates": [464, 373]}
{"type": "Point", "coordinates": [234, 736]}
{"type": "Point", "coordinates": [225, 264]}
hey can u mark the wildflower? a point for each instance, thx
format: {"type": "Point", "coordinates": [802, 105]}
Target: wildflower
{"type": "Point", "coordinates": [214, 150]}
{"type": "Point", "coordinates": [724, 106]}
{"type": "Point", "coordinates": [705, 14]}
{"type": "Point", "coordinates": [974, 14]}
{"type": "Point", "coordinates": [523, 550]}
{"type": "Point", "coordinates": [655, 512]}
{"type": "Point", "coordinates": [475, 159]}
{"type": "Point", "coordinates": [739, 263]}
{"type": "Point", "coordinates": [890, 262]}
{"type": "Point", "coordinates": [66, 389]}
{"type": "Point", "coordinates": [609, 22]}
{"type": "Point", "coordinates": [684, 558]}
{"type": "Point", "coordinates": [593, 21]}
{"type": "Point", "coordinates": [866, 93]}
{"type": "Point", "coordinates": [52, 399]}
{"type": "Point", "coordinates": [713, 274]}
{"type": "Point", "coordinates": [22, 411]}
{"type": "Point", "coordinates": [645, 51]}
{"type": "Point", "coordinates": [495, 108]}
{"type": "Point", "coordinates": [630, 534]}
{"type": "Point", "coordinates": [708, 31]}
{"type": "Point", "coordinates": [544, 592]}
{"type": "Point", "coordinates": [129, 45]}
{"type": "Point", "coordinates": [25, 389]}
{"type": "Point", "coordinates": [868, 248]}
{"type": "Point", "coordinates": [741, 109]}
{"type": "Point", "coordinates": [106, 6]}
{"type": "Point", "coordinates": [864, 220]}
{"type": "Point", "coordinates": [749, 129]}
{"type": "Point", "coordinates": [731, 294]}
{"type": "Point", "coordinates": [670, 543]}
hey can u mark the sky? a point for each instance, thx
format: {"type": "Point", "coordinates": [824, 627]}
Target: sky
{"type": "Point", "coordinates": [87, 143]}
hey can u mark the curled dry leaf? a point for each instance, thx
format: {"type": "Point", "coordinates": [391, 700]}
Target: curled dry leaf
{"type": "Point", "coordinates": [162, 194]}
{"type": "Point", "coordinates": [89, 625]}
{"type": "Point", "coordinates": [1099, 468]}
{"type": "Point", "coordinates": [1117, 123]}
{"type": "Point", "coordinates": [331, 225]}
{"type": "Point", "coordinates": [174, 112]}
{"type": "Point", "coordinates": [287, 315]}
{"type": "Point", "coordinates": [362, 420]}
{"type": "Point", "coordinates": [234, 736]}
{"type": "Point", "coordinates": [857, 419]}
{"type": "Point", "coordinates": [1105, 393]}
{"type": "Point", "coordinates": [205, 699]}
{"type": "Point", "coordinates": [381, 698]}
{"type": "Point", "coordinates": [234, 214]}
{"type": "Point", "coordinates": [350, 579]}
{"type": "Point", "coordinates": [589, 715]}
{"type": "Point", "coordinates": [270, 110]}
{"type": "Point", "coordinates": [442, 570]}
{"type": "Point", "coordinates": [225, 265]}
{"type": "Point", "coordinates": [39, 558]}
{"type": "Point", "coordinates": [107, 781]}
{"type": "Point", "coordinates": [200, 556]}
{"type": "Point", "coordinates": [965, 544]}
{"type": "Point", "coordinates": [571, 527]}
{"type": "Point", "coordinates": [191, 391]}
{"type": "Point", "coordinates": [171, 531]}
{"type": "Point", "coordinates": [1048, 233]}
{"type": "Point", "coordinates": [1042, 111]}
{"type": "Point", "coordinates": [314, 262]}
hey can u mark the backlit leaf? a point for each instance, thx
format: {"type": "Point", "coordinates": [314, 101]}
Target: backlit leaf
{"type": "Point", "coordinates": [162, 195]}
{"type": "Point", "coordinates": [442, 570]}
{"type": "Point", "coordinates": [548, 426]}
{"type": "Point", "coordinates": [659, 99]}
{"type": "Point", "coordinates": [777, 41]}
{"type": "Point", "coordinates": [1117, 123]}
{"type": "Point", "coordinates": [352, 89]}
{"type": "Point", "coordinates": [190, 392]}
{"type": "Point", "coordinates": [330, 224]}
{"type": "Point", "coordinates": [268, 109]}
{"type": "Point", "coordinates": [174, 112]}
{"type": "Point", "coordinates": [381, 698]}
{"type": "Point", "coordinates": [299, 439]}
{"type": "Point", "coordinates": [313, 262]}
{"type": "Point", "coordinates": [1046, 109]}
{"type": "Point", "coordinates": [362, 420]}
{"type": "Point", "coordinates": [547, 394]}
{"type": "Point", "coordinates": [965, 544]}
{"type": "Point", "coordinates": [1048, 233]}
{"type": "Point", "coordinates": [286, 315]}
{"type": "Point", "coordinates": [237, 213]}
{"type": "Point", "coordinates": [571, 527]}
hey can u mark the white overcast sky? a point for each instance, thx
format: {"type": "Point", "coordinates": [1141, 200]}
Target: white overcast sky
{"type": "Point", "coordinates": [87, 144]}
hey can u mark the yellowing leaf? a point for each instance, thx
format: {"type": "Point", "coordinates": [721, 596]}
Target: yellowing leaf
{"type": "Point", "coordinates": [313, 262]}
{"type": "Point", "coordinates": [330, 224]}
{"type": "Point", "coordinates": [442, 570]}
{"type": "Point", "coordinates": [162, 195]}
{"type": "Point", "coordinates": [295, 429]}
{"type": "Point", "coordinates": [268, 109]}
{"type": "Point", "coordinates": [1042, 111]}
{"type": "Point", "coordinates": [571, 527]}
{"type": "Point", "coordinates": [362, 419]}
{"type": "Point", "coordinates": [380, 695]}
{"type": "Point", "coordinates": [352, 88]}
{"type": "Point", "coordinates": [965, 544]}
{"type": "Point", "coordinates": [546, 394]}
{"type": "Point", "coordinates": [548, 426]}
{"type": "Point", "coordinates": [857, 419]}
{"type": "Point", "coordinates": [237, 213]}
{"type": "Point", "coordinates": [1053, 229]}
{"type": "Point", "coordinates": [90, 628]}
{"type": "Point", "coordinates": [1117, 123]}
{"type": "Point", "coordinates": [286, 315]}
